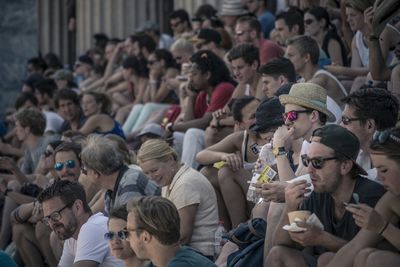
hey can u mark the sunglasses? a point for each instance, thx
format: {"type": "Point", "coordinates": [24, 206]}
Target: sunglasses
{"type": "Point", "coordinates": [123, 235]}
{"type": "Point", "coordinates": [293, 115]}
{"type": "Point", "coordinates": [70, 164]}
{"type": "Point", "coordinates": [347, 120]}
{"type": "Point", "coordinates": [308, 21]}
{"type": "Point", "coordinates": [382, 136]}
{"type": "Point", "coordinates": [316, 162]}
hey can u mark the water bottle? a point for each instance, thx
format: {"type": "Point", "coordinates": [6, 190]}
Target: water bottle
{"type": "Point", "coordinates": [262, 173]}
{"type": "Point", "coordinates": [219, 238]}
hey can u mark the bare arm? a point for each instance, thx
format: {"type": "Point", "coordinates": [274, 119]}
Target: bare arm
{"type": "Point", "coordinates": [335, 52]}
{"type": "Point", "coordinates": [365, 238]}
{"type": "Point", "coordinates": [187, 215]}
{"type": "Point", "coordinates": [200, 123]}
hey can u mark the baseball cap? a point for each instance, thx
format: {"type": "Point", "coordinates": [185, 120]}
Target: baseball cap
{"type": "Point", "coordinates": [340, 140]}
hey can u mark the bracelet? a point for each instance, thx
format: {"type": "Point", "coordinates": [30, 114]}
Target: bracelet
{"type": "Point", "coordinates": [153, 82]}
{"type": "Point", "coordinates": [384, 228]}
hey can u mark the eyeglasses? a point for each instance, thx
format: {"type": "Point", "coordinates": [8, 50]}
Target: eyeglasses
{"type": "Point", "coordinates": [316, 162]}
{"type": "Point", "coordinates": [308, 21]}
{"type": "Point", "coordinates": [383, 136]}
{"type": "Point", "coordinates": [123, 235]}
{"type": "Point", "coordinates": [70, 164]}
{"type": "Point", "coordinates": [55, 216]}
{"type": "Point", "coordinates": [293, 115]}
{"type": "Point", "coordinates": [347, 120]}
{"type": "Point", "coordinates": [175, 24]}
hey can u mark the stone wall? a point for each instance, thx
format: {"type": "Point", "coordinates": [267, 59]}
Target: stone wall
{"type": "Point", "coordinates": [18, 43]}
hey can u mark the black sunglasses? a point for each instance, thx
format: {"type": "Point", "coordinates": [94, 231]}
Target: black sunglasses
{"type": "Point", "coordinates": [316, 162]}
{"type": "Point", "coordinates": [308, 21]}
{"type": "Point", "coordinates": [382, 136]}
{"type": "Point", "coordinates": [123, 235]}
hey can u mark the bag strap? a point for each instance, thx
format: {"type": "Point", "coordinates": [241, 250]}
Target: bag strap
{"type": "Point", "coordinates": [253, 230]}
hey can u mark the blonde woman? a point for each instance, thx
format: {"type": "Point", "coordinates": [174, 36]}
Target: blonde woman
{"type": "Point", "coordinates": [188, 189]}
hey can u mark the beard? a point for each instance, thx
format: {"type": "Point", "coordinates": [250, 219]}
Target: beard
{"type": "Point", "coordinates": [64, 232]}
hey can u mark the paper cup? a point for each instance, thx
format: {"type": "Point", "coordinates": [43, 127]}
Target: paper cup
{"type": "Point", "coordinates": [298, 215]}
{"type": "Point", "coordinates": [307, 178]}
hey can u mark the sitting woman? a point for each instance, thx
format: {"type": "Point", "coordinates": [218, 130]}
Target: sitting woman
{"type": "Point", "coordinates": [239, 151]}
{"type": "Point", "coordinates": [160, 93]}
{"type": "Point", "coordinates": [382, 222]}
{"type": "Point", "coordinates": [188, 189]}
{"type": "Point", "coordinates": [117, 239]}
{"type": "Point", "coordinates": [95, 107]}
{"type": "Point", "coordinates": [317, 24]}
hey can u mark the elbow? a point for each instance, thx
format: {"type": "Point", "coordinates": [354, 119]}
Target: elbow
{"type": "Point", "coordinates": [200, 157]}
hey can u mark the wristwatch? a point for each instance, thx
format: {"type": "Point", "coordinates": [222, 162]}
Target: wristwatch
{"type": "Point", "coordinates": [279, 151]}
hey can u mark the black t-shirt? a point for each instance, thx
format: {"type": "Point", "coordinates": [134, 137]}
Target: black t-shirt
{"type": "Point", "coordinates": [323, 205]}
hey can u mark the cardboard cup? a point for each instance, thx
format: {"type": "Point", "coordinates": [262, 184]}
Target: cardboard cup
{"type": "Point", "coordinates": [298, 215]}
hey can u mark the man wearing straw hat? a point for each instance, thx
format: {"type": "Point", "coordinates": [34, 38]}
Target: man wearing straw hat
{"type": "Point", "coordinates": [305, 111]}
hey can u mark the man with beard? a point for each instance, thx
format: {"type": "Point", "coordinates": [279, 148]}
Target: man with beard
{"type": "Point", "coordinates": [335, 175]}
{"type": "Point", "coordinates": [68, 214]}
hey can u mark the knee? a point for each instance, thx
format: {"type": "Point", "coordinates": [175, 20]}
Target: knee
{"type": "Point", "coordinates": [362, 256]}
{"type": "Point", "coordinates": [194, 134]}
{"type": "Point", "coordinates": [224, 174]}
{"type": "Point", "coordinates": [276, 253]}
{"type": "Point", "coordinates": [14, 185]}
{"type": "Point", "coordinates": [325, 258]}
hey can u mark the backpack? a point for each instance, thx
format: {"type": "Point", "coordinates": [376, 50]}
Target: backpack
{"type": "Point", "coordinates": [249, 236]}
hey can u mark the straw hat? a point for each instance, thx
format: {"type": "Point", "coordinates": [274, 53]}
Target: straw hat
{"type": "Point", "coordinates": [233, 8]}
{"type": "Point", "coordinates": [308, 95]}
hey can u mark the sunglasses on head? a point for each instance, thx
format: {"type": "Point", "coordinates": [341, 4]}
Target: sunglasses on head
{"type": "Point", "coordinates": [123, 235]}
{"type": "Point", "coordinates": [70, 164]}
{"type": "Point", "coordinates": [316, 162]}
{"type": "Point", "coordinates": [347, 120]}
{"type": "Point", "coordinates": [383, 136]}
{"type": "Point", "coordinates": [294, 114]}
{"type": "Point", "coordinates": [308, 21]}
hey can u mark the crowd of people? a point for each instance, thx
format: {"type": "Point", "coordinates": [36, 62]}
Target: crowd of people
{"type": "Point", "coordinates": [144, 150]}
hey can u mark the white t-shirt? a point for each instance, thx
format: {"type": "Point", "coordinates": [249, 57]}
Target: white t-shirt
{"type": "Point", "coordinates": [90, 245]}
{"type": "Point", "coordinates": [53, 121]}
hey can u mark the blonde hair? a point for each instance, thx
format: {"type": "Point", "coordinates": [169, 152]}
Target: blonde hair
{"type": "Point", "coordinates": [155, 149]}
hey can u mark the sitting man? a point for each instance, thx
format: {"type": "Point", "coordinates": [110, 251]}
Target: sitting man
{"type": "Point", "coordinates": [331, 162]}
{"type": "Point", "coordinates": [104, 164]}
{"type": "Point", "coordinates": [154, 234]}
{"type": "Point", "coordinates": [68, 214]}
